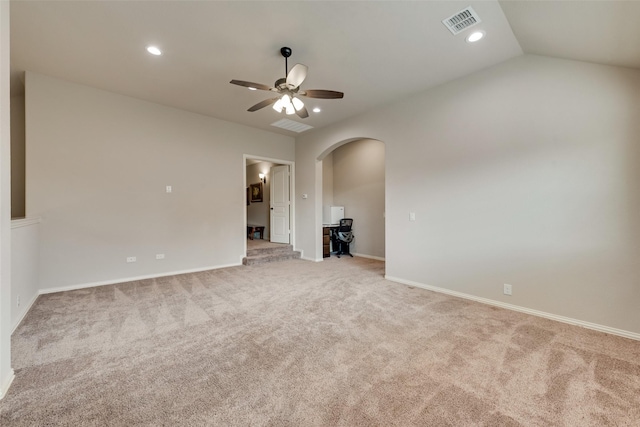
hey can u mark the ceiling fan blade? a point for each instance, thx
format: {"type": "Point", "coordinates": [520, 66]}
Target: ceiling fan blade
{"type": "Point", "coordinates": [251, 84]}
{"type": "Point", "coordinates": [263, 104]}
{"type": "Point", "coordinates": [322, 94]}
{"type": "Point", "coordinates": [302, 113]}
{"type": "Point", "coordinates": [297, 75]}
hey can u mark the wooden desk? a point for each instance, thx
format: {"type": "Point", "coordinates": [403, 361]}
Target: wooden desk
{"type": "Point", "coordinates": [328, 232]}
{"type": "Point", "coordinates": [252, 229]}
{"type": "Point", "coordinates": [326, 242]}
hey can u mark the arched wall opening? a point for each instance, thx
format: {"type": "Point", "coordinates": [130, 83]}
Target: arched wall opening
{"type": "Point", "coordinates": [352, 175]}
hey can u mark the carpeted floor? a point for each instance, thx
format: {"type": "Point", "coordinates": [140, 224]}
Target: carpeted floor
{"type": "Point", "coordinates": [308, 344]}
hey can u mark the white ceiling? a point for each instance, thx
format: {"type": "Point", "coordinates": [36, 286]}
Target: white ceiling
{"type": "Point", "coordinates": [374, 52]}
{"type": "Point", "coordinates": [606, 32]}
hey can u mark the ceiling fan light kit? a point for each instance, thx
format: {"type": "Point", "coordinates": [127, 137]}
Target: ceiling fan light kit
{"type": "Point", "coordinates": [289, 89]}
{"type": "Point", "coordinates": [290, 105]}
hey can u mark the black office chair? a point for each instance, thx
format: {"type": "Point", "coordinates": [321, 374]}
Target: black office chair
{"type": "Point", "coordinates": [345, 236]}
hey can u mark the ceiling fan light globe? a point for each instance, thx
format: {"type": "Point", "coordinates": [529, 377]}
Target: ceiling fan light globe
{"type": "Point", "coordinates": [278, 105]}
{"type": "Point", "coordinates": [297, 104]}
{"type": "Point", "coordinates": [290, 109]}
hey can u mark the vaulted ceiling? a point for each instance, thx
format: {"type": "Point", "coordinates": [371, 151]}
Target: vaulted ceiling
{"type": "Point", "coordinates": [374, 52]}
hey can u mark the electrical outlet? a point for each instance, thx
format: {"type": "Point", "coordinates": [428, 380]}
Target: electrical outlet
{"type": "Point", "coordinates": [412, 216]}
{"type": "Point", "coordinates": [169, 189]}
{"type": "Point", "coordinates": [131, 259]}
{"type": "Point", "coordinates": [507, 289]}
{"type": "Point", "coordinates": [18, 301]}
{"type": "Point", "coordinates": [159, 256]}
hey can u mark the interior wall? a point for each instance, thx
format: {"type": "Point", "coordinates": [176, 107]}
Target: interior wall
{"type": "Point", "coordinates": [526, 173]}
{"type": "Point", "coordinates": [358, 185]}
{"type": "Point", "coordinates": [25, 240]}
{"type": "Point", "coordinates": [6, 373]}
{"type": "Point", "coordinates": [17, 157]}
{"type": "Point", "coordinates": [327, 181]}
{"type": "Point", "coordinates": [98, 164]}
{"type": "Point", "coordinates": [258, 213]}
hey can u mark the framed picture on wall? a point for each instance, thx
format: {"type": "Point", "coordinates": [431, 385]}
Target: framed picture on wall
{"type": "Point", "coordinates": [256, 192]}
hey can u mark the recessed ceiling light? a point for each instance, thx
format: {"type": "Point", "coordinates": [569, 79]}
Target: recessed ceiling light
{"type": "Point", "coordinates": [316, 110]}
{"type": "Point", "coordinates": [475, 36]}
{"type": "Point", "coordinates": [252, 88]}
{"type": "Point", "coordinates": [153, 50]}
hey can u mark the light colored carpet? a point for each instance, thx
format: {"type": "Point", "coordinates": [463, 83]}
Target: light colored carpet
{"type": "Point", "coordinates": [308, 344]}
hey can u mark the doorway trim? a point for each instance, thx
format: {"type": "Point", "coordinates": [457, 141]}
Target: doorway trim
{"type": "Point", "coordinates": [292, 192]}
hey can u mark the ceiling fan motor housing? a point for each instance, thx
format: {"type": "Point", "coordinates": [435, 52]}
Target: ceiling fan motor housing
{"type": "Point", "coordinates": [281, 85]}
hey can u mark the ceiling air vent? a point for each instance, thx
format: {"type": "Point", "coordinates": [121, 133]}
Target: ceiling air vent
{"type": "Point", "coordinates": [291, 125]}
{"type": "Point", "coordinates": [462, 20]}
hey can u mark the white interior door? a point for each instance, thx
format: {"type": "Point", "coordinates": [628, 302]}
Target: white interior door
{"type": "Point", "coordinates": [279, 204]}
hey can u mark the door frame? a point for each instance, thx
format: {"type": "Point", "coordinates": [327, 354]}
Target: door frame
{"type": "Point", "coordinates": [292, 192]}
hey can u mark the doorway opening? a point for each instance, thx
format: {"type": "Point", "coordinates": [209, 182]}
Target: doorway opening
{"type": "Point", "coordinates": [353, 185]}
{"type": "Point", "coordinates": [269, 213]}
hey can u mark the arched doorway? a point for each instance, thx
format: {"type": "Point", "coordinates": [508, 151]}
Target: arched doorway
{"type": "Point", "coordinates": [353, 177]}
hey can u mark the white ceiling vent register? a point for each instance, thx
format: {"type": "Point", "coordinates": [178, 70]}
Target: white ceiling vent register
{"type": "Point", "coordinates": [291, 125]}
{"type": "Point", "coordinates": [462, 20]}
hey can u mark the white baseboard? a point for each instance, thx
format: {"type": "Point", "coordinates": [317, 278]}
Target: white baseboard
{"type": "Point", "coordinates": [24, 313]}
{"type": "Point", "coordinates": [563, 319]}
{"type": "Point", "coordinates": [311, 259]}
{"type": "Point", "coordinates": [131, 279]}
{"type": "Point", "coordinates": [378, 258]}
{"type": "Point", "coordinates": [4, 388]}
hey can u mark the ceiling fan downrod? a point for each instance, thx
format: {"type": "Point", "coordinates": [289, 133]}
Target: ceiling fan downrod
{"type": "Point", "coordinates": [286, 52]}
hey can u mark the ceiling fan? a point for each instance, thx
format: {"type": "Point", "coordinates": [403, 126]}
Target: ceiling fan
{"type": "Point", "coordinates": [288, 89]}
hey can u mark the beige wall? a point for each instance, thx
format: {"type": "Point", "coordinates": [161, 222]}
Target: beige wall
{"type": "Point", "coordinates": [527, 173]}
{"type": "Point", "coordinates": [327, 180]}
{"type": "Point", "coordinates": [6, 373]}
{"type": "Point", "coordinates": [25, 242]}
{"type": "Point", "coordinates": [258, 213]}
{"type": "Point", "coordinates": [358, 185]}
{"type": "Point", "coordinates": [17, 157]}
{"type": "Point", "coordinates": [97, 167]}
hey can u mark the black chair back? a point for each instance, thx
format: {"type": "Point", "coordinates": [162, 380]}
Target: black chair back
{"type": "Point", "coordinates": [345, 224]}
